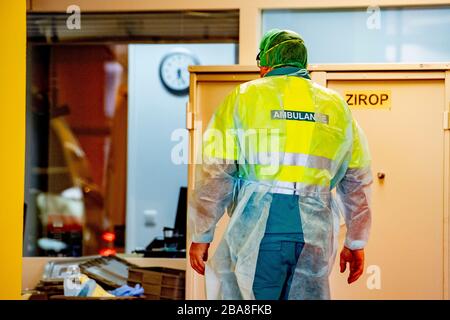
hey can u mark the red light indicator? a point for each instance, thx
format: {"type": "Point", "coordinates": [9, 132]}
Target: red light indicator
{"type": "Point", "coordinates": [108, 236]}
{"type": "Point", "coordinates": [107, 252]}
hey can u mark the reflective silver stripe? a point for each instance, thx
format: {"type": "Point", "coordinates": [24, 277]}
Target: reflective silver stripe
{"type": "Point", "coordinates": [282, 191]}
{"type": "Point", "coordinates": [283, 187]}
{"type": "Point", "coordinates": [293, 159]}
{"type": "Point", "coordinates": [277, 158]}
{"type": "Point", "coordinates": [297, 188]}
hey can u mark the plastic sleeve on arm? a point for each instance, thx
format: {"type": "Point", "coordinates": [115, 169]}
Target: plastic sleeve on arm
{"type": "Point", "coordinates": [206, 237]}
{"type": "Point", "coordinates": [214, 193]}
{"type": "Point", "coordinates": [354, 192]}
{"type": "Point", "coordinates": [215, 181]}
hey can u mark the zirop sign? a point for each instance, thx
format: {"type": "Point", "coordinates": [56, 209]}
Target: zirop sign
{"type": "Point", "coordinates": [368, 99]}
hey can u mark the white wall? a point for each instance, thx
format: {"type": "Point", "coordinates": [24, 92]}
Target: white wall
{"type": "Point", "coordinates": [153, 180]}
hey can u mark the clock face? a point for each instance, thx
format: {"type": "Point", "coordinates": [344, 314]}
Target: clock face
{"type": "Point", "coordinates": [174, 73]}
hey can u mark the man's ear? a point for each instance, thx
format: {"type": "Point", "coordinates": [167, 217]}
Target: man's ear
{"type": "Point", "coordinates": [264, 70]}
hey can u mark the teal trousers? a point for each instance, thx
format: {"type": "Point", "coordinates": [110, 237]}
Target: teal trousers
{"type": "Point", "coordinates": [279, 249]}
{"type": "Point", "coordinates": [275, 267]}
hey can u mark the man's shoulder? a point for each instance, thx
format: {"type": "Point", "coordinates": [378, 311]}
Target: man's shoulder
{"type": "Point", "coordinates": [321, 94]}
{"type": "Point", "coordinates": [254, 84]}
{"type": "Point", "coordinates": [325, 94]}
{"type": "Point", "coordinates": [322, 91]}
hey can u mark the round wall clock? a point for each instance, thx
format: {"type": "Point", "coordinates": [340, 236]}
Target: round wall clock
{"type": "Point", "coordinates": [174, 73]}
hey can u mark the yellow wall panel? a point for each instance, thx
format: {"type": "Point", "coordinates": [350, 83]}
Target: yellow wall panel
{"type": "Point", "coordinates": [12, 144]}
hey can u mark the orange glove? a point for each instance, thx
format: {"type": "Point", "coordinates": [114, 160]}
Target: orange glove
{"type": "Point", "coordinates": [356, 260]}
{"type": "Point", "coordinates": [198, 253]}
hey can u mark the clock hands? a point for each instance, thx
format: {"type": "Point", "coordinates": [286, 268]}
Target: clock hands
{"type": "Point", "coordinates": [179, 76]}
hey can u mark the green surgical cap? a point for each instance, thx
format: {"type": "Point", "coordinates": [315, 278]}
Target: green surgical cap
{"type": "Point", "coordinates": [282, 48]}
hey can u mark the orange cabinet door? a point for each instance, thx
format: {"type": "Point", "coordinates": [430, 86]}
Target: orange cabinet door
{"type": "Point", "coordinates": [404, 257]}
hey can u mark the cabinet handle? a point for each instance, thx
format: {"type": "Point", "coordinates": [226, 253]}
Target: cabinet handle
{"type": "Point", "coordinates": [381, 175]}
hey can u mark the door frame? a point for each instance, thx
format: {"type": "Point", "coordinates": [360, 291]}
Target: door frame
{"type": "Point", "coordinates": [250, 12]}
